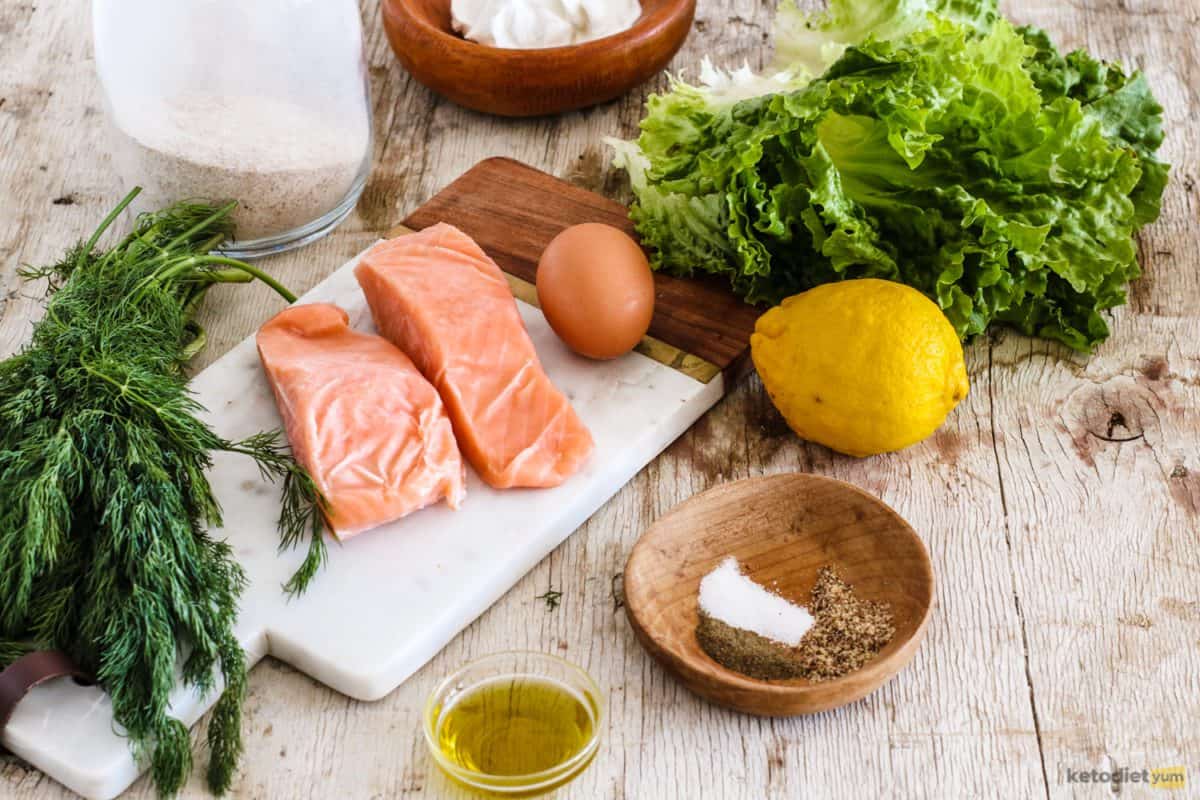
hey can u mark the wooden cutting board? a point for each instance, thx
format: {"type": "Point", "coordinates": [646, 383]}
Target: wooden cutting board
{"type": "Point", "coordinates": [390, 599]}
{"type": "Point", "coordinates": [514, 210]}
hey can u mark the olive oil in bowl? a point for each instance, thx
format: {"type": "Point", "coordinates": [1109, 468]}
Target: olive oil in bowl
{"type": "Point", "coordinates": [515, 724]}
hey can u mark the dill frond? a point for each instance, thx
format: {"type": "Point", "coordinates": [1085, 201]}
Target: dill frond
{"type": "Point", "coordinates": [105, 506]}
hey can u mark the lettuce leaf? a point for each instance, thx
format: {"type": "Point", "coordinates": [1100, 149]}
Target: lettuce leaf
{"type": "Point", "coordinates": [1124, 105]}
{"type": "Point", "coordinates": [814, 41]}
{"type": "Point", "coordinates": [961, 156]}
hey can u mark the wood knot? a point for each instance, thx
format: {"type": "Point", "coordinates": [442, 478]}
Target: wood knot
{"type": "Point", "coordinates": [1115, 412]}
{"type": "Point", "coordinates": [1113, 430]}
{"type": "Point", "coordinates": [1102, 421]}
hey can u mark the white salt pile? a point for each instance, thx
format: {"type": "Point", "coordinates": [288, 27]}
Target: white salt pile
{"type": "Point", "coordinates": [731, 597]}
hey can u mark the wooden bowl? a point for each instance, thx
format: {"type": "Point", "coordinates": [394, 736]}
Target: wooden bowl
{"type": "Point", "coordinates": [782, 529]}
{"type": "Point", "coordinates": [527, 83]}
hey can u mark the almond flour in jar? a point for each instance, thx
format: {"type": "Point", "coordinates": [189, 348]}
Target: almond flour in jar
{"type": "Point", "coordinates": [265, 102]}
{"type": "Point", "coordinates": [285, 165]}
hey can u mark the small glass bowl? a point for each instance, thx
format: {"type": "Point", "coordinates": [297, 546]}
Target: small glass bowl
{"type": "Point", "coordinates": [511, 665]}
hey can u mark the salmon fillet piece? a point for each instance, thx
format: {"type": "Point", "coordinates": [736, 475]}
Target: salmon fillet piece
{"type": "Point", "coordinates": [371, 431]}
{"type": "Point", "coordinates": [438, 297]}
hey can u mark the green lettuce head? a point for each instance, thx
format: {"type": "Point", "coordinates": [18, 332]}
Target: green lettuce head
{"type": "Point", "coordinates": [939, 146]}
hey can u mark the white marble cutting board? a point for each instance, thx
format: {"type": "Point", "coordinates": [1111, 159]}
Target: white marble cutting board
{"type": "Point", "coordinates": [390, 599]}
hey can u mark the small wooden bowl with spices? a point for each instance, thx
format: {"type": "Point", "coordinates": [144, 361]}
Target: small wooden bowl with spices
{"type": "Point", "coordinates": [815, 594]}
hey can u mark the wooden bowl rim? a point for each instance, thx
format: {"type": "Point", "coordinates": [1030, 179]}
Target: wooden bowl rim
{"type": "Point", "coordinates": [648, 27]}
{"type": "Point", "coordinates": [874, 674]}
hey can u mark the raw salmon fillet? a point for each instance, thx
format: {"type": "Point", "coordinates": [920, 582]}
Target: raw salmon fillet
{"type": "Point", "coordinates": [371, 431]}
{"type": "Point", "coordinates": [438, 297]}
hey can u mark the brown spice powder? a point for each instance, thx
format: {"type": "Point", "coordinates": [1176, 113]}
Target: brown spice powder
{"type": "Point", "coordinates": [846, 634]}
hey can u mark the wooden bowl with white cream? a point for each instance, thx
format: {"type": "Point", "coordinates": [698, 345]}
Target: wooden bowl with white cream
{"type": "Point", "coordinates": [783, 531]}
{"type": "Point", "coordinates": [533, 82]}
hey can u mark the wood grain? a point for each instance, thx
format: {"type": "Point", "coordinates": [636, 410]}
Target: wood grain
{"type": "Point", "coordinates": [782, 529]}
{"type": "Point", "coordinates": [530, 83]}
{"type": "Point", "coordinates": [513, 211]}
{"type": "Point", "coordinates": [1066, 633]}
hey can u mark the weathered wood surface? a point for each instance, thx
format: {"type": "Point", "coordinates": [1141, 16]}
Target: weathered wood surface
{"type": "Point", "coordinates": [1061, 502]}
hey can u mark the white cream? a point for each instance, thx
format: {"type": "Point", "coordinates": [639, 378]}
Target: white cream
{"type": "Point", "coordinates": [728, 595]}
{"type": "Point", "coordinates": [537, 24]}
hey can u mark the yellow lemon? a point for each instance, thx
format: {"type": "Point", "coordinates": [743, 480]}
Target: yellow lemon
{"type": "Point", "coordinates": [862, 366]}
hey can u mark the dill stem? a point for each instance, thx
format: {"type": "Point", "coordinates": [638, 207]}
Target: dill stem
{"type": "Point", "coordinates": [215, 241]}
{"type": "Point", "coordinates": [122, 387]}
{"type": "Point", "coordinates": [228, 276]}
{"type": "Point", "coordinates": [105, 223]}
{"type": "Point", "coordinates": [178, 268]}
{"type": "Point", "coordinates": [167, 250]}
{"type": "Point", "coordinates": [279, 288]}
{"type": "Point", "coordinates": [221, 212]}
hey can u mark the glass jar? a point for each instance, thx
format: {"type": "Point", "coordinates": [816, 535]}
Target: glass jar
{"type": "Point", "coordinates": [264, 102]}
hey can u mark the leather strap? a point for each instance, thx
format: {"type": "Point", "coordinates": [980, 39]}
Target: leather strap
{"type": "Point", "coordinates": [29, 671]}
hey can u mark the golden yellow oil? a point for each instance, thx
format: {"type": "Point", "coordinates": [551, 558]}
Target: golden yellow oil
{"type": "Point", "coordinates": [516, 726]}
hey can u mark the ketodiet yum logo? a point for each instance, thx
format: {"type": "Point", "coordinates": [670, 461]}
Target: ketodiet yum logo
{"type": "Point", "coordinates": [1159, 778]}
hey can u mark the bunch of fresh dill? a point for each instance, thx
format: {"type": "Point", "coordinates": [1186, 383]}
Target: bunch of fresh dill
{"type": "Point", "coordinates": [104, 504]}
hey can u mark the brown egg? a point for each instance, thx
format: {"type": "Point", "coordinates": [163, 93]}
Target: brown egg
{"type": "Point", "coordinates": [596, 289]}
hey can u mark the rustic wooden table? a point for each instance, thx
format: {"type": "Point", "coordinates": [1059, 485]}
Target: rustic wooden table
{"type": "Point", "coordinates": [1061, 501]}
